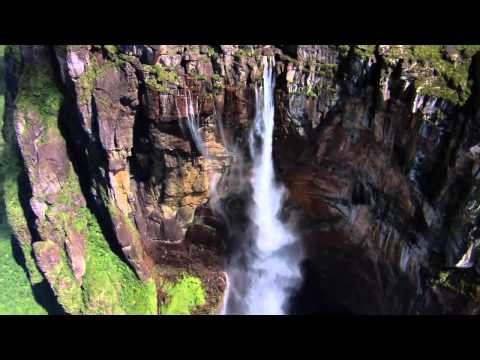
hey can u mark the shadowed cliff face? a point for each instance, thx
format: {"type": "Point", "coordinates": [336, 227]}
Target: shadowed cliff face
{"type": "Point", "coordinates": [376, 146]}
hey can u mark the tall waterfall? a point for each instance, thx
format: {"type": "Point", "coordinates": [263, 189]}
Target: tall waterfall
{"type": "Point", "coordinates": [272, 267]}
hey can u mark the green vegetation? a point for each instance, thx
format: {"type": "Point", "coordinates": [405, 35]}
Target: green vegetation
{"type": "Point", "coordinates": [210, 51]}
{"type": "Point", "coordinates": [18, 224]}
{"type": "Point", "coordinates": [94, 71]}
{"type": "Point", "coordinates": [110, 286]}
{"type": "Point", "coordinates": [326, 70]}
{"type": "Point", "coordinates": [39, 93]}
{"type": "Point", "coordinates": [452, 84]}
{"type": "Point", "coordinates": [112, 52]}
{"type": "Point", "coordinates": [11, 208]}
{"type": "Point", "coordinates": [70, 187]}
{"type": "Point", "coordinates": [2, 78]}
{"type": "Point", "coordinates": [112, 49]}
{"type": "Point", "coordinates": [241, 53]}
{"type": "Point", "coordinates": [462, 282]}
{"type": "Point", "coordinates": [160, 78]}
{"type": "Point", "coordinates": [344, 50]}
{"type": "Point", "coordinates": [61, 278]}
{"type": "Point", "coordinates": [217, 81]}
{"type": "Point", "coordinates": [311, 93]}
{"type": "Point", "coordinates": [163, 74]}
{"type": "Point", "coordinates": [87, 79]}
{"type": "Point", "coordinates": [16, 296]}
{"type": "Point", "coordinates": [127, 58]}
{"type": "Point", "coordinates": [200, 77]}
{"type": "Point", "coordinates": [184, 296]}
{"type": "Point", "coordinates": [159, 87]}
{"type": "Point", "coordinates": [441, 71]}
{"type": "Point", "coordinates": [365, 51]}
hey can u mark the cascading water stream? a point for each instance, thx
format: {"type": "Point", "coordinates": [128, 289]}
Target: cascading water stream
{"type": "Point", "coordinates": [273, 268]}
{"type": "Point", "coordinates": [193, 123]}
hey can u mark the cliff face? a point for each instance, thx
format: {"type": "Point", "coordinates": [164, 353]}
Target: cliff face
{"type": "Point", "coordinates": [112, 199]}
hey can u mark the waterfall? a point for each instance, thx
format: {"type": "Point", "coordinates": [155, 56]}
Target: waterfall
{"type": "Point", "coordinates": [386, 90]}
{"type": "Point", "coordinates": [417, 103]}
{"type": "Point", "coordinates": [272, 268]}
{"type": "Point", "coordinates": [193, 123]}
{"type": "Point", "coordinates": [468, 259]}
{"type": "Point", "coordinates": [404, 258]}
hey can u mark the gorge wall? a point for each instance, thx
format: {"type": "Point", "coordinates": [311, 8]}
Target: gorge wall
{"type": "Point", "coordinates": [119, 211]}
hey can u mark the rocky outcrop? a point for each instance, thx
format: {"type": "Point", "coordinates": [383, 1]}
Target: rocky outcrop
{"type": "Point", "coordinates": [376, 145]}
{"type": "Point", "coordinates": [381, 182]}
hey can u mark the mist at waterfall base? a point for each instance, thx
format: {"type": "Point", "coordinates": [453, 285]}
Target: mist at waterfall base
{"type": "Point", "coordinates": [263, 276]}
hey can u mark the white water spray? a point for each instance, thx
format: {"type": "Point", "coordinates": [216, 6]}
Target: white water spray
{"type": "Point", "coordinates": [273, 271]}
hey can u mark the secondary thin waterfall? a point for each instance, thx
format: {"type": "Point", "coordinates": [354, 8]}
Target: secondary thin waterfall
{"type": "Point", "coordinates": [193, 122]}
{"type": "Point", "coordinates": [273, 268]}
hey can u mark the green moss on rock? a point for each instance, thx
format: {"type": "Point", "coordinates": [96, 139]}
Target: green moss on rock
{"type": "Point", "coordinates": [160, 78]}
{"type": "Point", "coordinates": [112, 49]}
{"type": "Point", "coordinates": [210, 51]}
{"type": "Point", "coordinates": [16, 296]}
{"type": "Point", "coordinates": [87, 79]}
{"type": "Point", "coordinates": [110, 286]}
{"type": "Point", "coordinates": [241, 53]}
{"type": "Point", "coordinates": [463, 282]}
{"type": "Point", "coordinates": [60, 276]}
{"type": "Point", "coordinates": [39, 93]}
{"type": "Point", "coordinates": [19, 227]}
{"type": "Point", "coordinates": [326, 70]}
{"type": "Point", "coordinates": [95, 71]}
{"type": "Point", "coordinates": [440, 70]}
{"type": "Point", "coordinates": [343, 50]}
{"type": "Point", "coordinates": [365, 51]}
{"type": "Point", "coordinates": [217, 81]}
{"type": "Point", "coordinates": [183, 296]}
{"type": "Point", "coordinates": [311, 93]}
{"type": "Point", "coordinates": [9, 173]}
